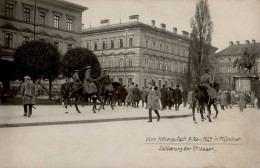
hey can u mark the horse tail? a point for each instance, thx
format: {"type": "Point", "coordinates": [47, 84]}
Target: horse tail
{"type": "Point", "coordinates": [235, 62]}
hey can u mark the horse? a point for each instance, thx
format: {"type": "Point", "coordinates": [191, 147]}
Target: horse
{"type": "Point", "coordinates": [245, 63]}
{"type": "Point", "coordinates": [110, 94]}
{"type": "Point", "coordinates": [78, 94]}
{"type": "Point", "coordinates": [203, 100]}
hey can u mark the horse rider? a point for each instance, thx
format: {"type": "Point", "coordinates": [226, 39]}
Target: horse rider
{"type": "Point", "coordinates": [89, 85]}
{"type": "Point", "coordinates": [76, 81]}
{"type": "Point", "coordinates": [104, 73]}
{"type": "Point", "coordinates": [205, 81]}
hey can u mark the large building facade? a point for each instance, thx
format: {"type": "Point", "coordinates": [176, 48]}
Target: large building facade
{"type": "Point", "coordinates": [137, 52]}
{"type": "Point", "coordinates": [225, 62]}
{"type": "Point", "coordinates": [23, 20]}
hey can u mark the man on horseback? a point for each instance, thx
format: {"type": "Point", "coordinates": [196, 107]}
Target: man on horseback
{"type": "Point", "coordinates": [205, 81]}
{"type": "Point", "coordinates": [89, 85]}
{"type": "Point", "coordinates": [76, 82]}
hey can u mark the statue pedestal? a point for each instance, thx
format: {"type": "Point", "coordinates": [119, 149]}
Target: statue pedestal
{"type": "Point", "coordinates": [246, 83]}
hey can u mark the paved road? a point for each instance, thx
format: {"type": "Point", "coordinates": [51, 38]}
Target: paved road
{"type": "Point", "coordinates": [235, 143]}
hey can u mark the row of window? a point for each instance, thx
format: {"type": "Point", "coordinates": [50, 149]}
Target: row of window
{"type": "Point", "coordinates": [104, 44]}
{"type": "Point", "coordinates": [225, 60]}
{"type": "Point", "coordinates": [27, 13]}
{"type": "Point", "coordinates": [9, 41]}
{"type": "Point", "coordinates": [166, 48]}
{"type": "Point", "coordinates": [129, 63]}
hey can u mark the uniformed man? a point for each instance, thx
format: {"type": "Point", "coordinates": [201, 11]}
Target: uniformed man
{"type": "Point", "coordinates": [89, 85]}
{"type": "Point", "coordinates": [76, 82]}
{"type": "Point", "coordinates": [104, 73]}
{"type": "Point", "coordinates": [206, 80]}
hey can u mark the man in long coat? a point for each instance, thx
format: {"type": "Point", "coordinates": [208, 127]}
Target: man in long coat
{"type": "Point", "coordinates": [164, 97]}
{"type": "Point", "coordinates": [169, 97]}
{"type": "Point", "coordinates": [129, 97]}
{"type": "Point", "coordinates": [136, 96]}
{"type": "Point", "coordinates": [144, 91]}
{"type": "Point", "coordinates": [241, 100]}
{"type": "Point", "coordinates": [28, 92]}
{"type": "Point", "coordinates": [223, 99]}
{"type": "Point", "coordinates": [89, 85]}
{"type": "Point", "coordinates": [153, 98]}
{"type": "Point", "coordinates": [177, 97]}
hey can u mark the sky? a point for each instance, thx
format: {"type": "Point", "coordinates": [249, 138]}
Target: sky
{"type": "Point", "coordinates": [234, 20]}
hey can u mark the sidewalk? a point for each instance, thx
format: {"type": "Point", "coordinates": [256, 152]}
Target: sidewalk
{"type": "Point", "coordinates": [12, 116]}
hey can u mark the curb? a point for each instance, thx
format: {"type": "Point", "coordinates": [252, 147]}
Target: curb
{"type": "Point", "coordinates": [86, 121]}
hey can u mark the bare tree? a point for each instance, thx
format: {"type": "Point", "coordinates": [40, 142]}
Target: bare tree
{"type": "Point", "coordinates": [200, 42]}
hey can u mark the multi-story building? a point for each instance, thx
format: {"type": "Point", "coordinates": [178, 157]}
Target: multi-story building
{"type": "Point", "coordinates": [225, 60]}
{"type": "Point", "coordinates": [137, 52]}
{"type": "Point", "coordinates": [23, 20]}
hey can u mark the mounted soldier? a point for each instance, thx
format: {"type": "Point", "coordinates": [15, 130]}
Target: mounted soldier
{"type": "Point", "coordinates": [89, 85]}
{"type": "Point", "coordinates": [76, 82]}
{"type": "Point", "coordinates": [205, 81]}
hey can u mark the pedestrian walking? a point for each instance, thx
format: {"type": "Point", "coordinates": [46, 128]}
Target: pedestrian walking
{"type": "Point", "coordinates": [28, 92]}
{"type": "Point", "coordinates": [163, 97]}
{"type": "Point", "coordinates": [144, 92]}
{"type": "Point", "coordinates": [129, 97]}
{"type": "Point", "coordinates": [190, 98]}
{"type": "Point", "coordinates": [184, 97]}
{"type": "Point", "coordinates": [252, 99]}
{"type": "Point", "coordinates": [229, 101]}
{"type": "Point", "coordinates": [153, 97]}
{"type": "Point", "coordinates": [136, 96]}
{"type": "Point", "coordinates": [177, 98]}
{"type": "Point", "coordinates": [233, 98]}
{"type": "Point", "coordinates": [169, 97]}
{"type": "Point", "coordinates": [223, 99]}
{"type": "Point", "coordinates": [242, 100]}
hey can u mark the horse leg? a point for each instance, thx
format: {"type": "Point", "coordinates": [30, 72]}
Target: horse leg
{"type": "Point", "coordinates": [201, 112]}
{"type": "Point", "coordinates": [209, 112]}
{"type": "Point", "coordinates": [216, 109]}
{"type": "Point", "coordinates": [193, 111]}
{"type": "Point", "coordinates": [76, 105]}
{"type": "Point", "coordinates": [111, 100]}
{"type": "Point", "coordinates": [94, 104]}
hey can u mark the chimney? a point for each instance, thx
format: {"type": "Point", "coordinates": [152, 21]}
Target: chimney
{"type": "Point", "coordinates": [230, 43]}
{"type": "Point", "coordinates": [163, 26]}
{"type": "Point", "coordinates": [184, 33]}
{"type": "Point", "coordinates": [247, 42]}
{"type": "Point", "coordinates": [237, 42]}
{"type": "Point", "coordinates": [174, 30]}
{"type": "Point", "coordinates": [153, 23]}
{"type": "Point", "coordinates": [253, 41]}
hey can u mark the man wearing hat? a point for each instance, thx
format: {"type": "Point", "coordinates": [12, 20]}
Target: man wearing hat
{"type": "Point", "coordinates": [177, 97]}
{"type": "Point", "coordinates": [89, 85]}
{"type": "Point", "coordinates": [205, 80]}
{"type": "Point", "coordinates": [28, 93]}
{"type": "Point", "coordinates": [153, 98]}
{"type": "Point", "coordinates": [76, 80]}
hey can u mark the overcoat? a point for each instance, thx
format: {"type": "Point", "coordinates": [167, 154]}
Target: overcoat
{"type": "Point", "coordinates": [223, 98]}
{"type": "Point", "coordinates": [28, 92]}
{"type": "Point", "coordinates": [136, 94]}
{"type": "Point", "coordinates": [89, 85]}
{"type": "Point", "coordinates": [129, 97]}
{"type": "Point", "coordinates": [177, 96]}
{"type": "Point", "coordinates": [153, 99]}
{"type": "Point", "coordinates": [143, 94]}
{"type": "Point", "coordinates": [242, 100]}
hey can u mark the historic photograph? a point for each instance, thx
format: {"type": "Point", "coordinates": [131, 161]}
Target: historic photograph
{"type": "Point", "coordinates": [129, 83]}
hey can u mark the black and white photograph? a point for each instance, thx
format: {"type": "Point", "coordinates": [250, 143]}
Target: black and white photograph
{"type": "Point", "coordinates": [129, 83]}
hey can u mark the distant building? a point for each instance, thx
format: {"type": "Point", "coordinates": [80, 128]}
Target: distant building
{"type": "Point", "coordinates": [23, 20]}
{"type": "Point", "coordinates": [137, 52]}
{"type": "Point", "coordinates": [225, 60]}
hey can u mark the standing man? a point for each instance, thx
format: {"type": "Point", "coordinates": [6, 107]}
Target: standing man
{"type": "Point", "coordinates": [144, 91]}
{"type": "Point", "coordinates": [177, 97]}
{"type": "Point", "coordinates": [164, 97]}
{"type": "Point", "coordinates": [153, 100]}
{"type": "Point", "coordinates": [184, 97]}
{"type": "Point", "coordinates": [28, 94]}
{"type": "Point", "coordinates": [169, 97]}
{"type": "Point", "coordinates": [136, 96]}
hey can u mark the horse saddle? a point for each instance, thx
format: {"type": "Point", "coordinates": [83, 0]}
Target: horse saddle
{"type": "Point", "coordinates": [210, 90]}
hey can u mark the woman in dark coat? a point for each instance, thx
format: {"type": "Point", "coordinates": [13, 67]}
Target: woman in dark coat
{"type": "Point", "coordinates": [177, 97]}
{"type": "Point", "coordinates": [153, 98]}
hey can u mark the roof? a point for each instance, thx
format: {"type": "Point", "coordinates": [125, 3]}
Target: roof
{"type": "Point", "coordinates": [240, 49]}
{"type": "Point", "coordinates": [129, 25]}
